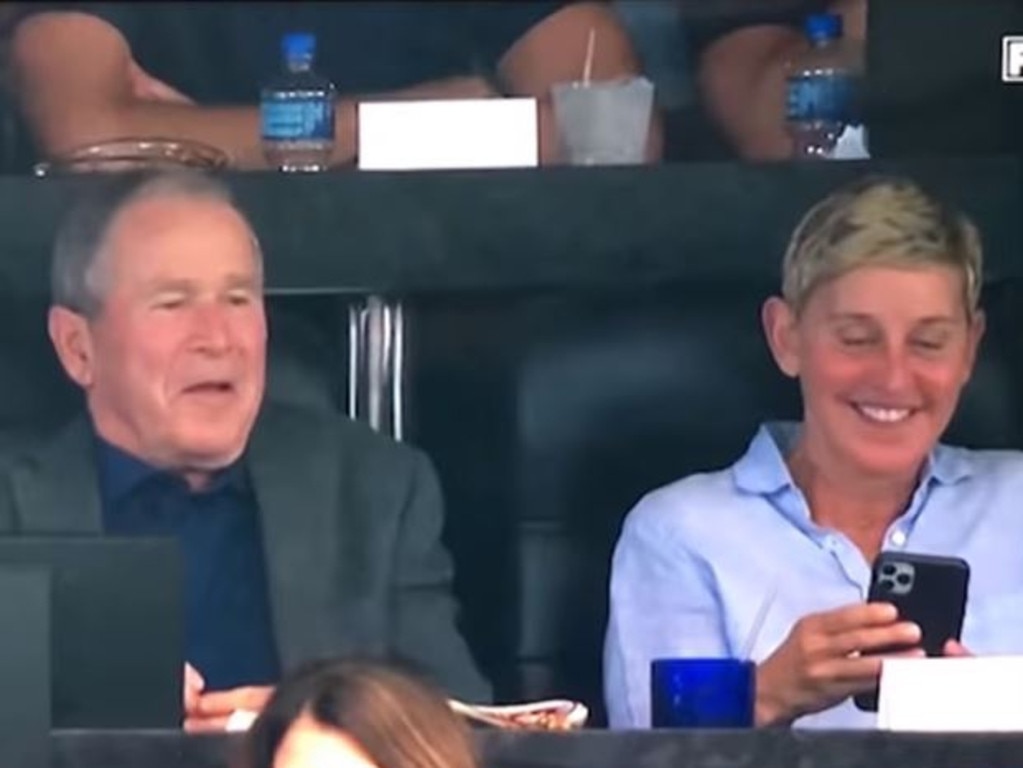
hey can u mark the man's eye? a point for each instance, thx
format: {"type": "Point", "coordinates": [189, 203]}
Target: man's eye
{"type": "Point", "coordinates": [855, 341]}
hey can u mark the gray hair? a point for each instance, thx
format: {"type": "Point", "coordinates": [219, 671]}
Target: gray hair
{"type": "Point", "coordinates": [77, 279]}
{"type": "Point", "coordinates": [880, 221]}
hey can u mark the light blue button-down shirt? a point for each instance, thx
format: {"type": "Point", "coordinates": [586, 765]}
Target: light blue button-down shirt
{"type": "Point", "coordinates": [697, 559]}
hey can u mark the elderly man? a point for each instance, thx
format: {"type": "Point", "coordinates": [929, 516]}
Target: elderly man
{"type": "Point", "coordinates": [304, 535]}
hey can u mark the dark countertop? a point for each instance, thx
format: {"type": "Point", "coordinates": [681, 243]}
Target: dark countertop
{"type": "Point", "coordinates": [600, 749]}
{"type": "Point", "coordinates": [531, 228]}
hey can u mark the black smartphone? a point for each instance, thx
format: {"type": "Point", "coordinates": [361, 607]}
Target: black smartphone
{"type": "Point", "coordinates": [928, 590]}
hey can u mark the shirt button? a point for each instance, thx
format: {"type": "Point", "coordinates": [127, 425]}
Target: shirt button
{"type": "Point", "coordinates": [898, 538]}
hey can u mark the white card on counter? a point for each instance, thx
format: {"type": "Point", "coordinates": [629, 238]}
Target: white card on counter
{"type": "Point", "coordinates": [982, 693]}
{"type": "Point", "coordinates": [450, 133]}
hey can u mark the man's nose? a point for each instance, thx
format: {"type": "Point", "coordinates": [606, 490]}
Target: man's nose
{"type": "Point", "coordinates": [211, 330]}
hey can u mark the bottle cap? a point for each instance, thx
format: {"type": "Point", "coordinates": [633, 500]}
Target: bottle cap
{"type": "Point", "coordinates": [298, 45]}
{"type": "Point", "coordinates": [823, 26]}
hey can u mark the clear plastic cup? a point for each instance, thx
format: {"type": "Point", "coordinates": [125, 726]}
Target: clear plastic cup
{"type": "Point", "coordinates": [603, 122]}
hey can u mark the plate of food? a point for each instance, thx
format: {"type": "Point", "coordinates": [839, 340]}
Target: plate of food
{"type": "Point", "coordinates": [134, 154]}
{"type": "Point", "coordinates": [549, 715]}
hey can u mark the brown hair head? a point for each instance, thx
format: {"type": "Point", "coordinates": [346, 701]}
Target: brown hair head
{"type": "Point", "coordinates": [399, 719]}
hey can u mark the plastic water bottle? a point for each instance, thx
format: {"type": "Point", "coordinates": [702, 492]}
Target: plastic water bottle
{"type": "Point", "coordinates": [297, 110]}
{"type": "Point", "coordinates": [823, 90]}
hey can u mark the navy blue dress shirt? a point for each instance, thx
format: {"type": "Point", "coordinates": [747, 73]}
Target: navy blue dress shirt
{"type": "Point", "coordinates": [229, 634]}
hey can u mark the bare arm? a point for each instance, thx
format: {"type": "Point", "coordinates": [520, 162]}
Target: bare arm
{"type": "Point", "coordinates": [78, 84]}
{"type": "Point", "coordinates": [554, 50]}
{"type": "Point", "coordinates": [741, 78]}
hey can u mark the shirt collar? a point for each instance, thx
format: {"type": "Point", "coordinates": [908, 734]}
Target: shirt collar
{"type": "Point", "coordinates": [762, 469]}
{"type": "Point", "coordinates": [120, 473]}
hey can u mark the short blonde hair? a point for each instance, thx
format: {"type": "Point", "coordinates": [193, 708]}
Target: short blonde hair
{"type": "Point", "coordinates": [879, 221]}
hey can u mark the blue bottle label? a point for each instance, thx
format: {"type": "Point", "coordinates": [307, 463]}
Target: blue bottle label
{"type": "Point", "coordinates": [298, 119]}
{"type": "Point", "coordinates": [828, 98]}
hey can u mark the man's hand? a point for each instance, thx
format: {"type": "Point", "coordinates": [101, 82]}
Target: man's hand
{"type": "Point", "coordinates": [956, 649]}
{"type": "Point", "coordinates": [192, 689]}
{"type": "Point", "coordinates": [211, 711]}
{"type": "Point", "coordinates": [822, 661]}
{"type": "Point", "coordinates": [148, 88]}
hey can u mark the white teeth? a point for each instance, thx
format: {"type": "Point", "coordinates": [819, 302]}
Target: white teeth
{"type": "Point", "coordinates": [885, 415]}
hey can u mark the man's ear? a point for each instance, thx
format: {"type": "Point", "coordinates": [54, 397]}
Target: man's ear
{"type": "Point", "coordinates": [779, 323]}
{"type": "Point", "coordinates": [72, 340]}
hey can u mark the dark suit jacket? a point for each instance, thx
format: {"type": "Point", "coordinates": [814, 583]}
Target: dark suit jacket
{"type": "Point", "coordinates": [351, 523]}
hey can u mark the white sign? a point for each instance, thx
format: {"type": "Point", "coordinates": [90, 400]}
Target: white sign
{"type": "Point", "coordinates": [1012, 59]}
{"type": "Point", "coordinates": [981, 693]}
{"type": "Point", "coordinates": [450, 133]}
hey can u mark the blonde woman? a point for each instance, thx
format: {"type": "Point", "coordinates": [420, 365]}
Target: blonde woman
{"type": "Point", "coordinates": [879, 321]}
{"type": "Point", "coordinates": [357, 714]}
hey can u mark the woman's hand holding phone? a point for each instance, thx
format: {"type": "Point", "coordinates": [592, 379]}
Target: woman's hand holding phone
{"type": "Point", "coordinates": [826, 658]}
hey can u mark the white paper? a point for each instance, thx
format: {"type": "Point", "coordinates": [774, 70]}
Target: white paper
{"type": "Point", "coordinates": [451, 133]}
{"type": "Point", "coordinates": [983, 693]}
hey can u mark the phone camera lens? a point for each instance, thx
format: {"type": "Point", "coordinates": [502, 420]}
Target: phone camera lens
{"type": "Point", "coordinates": [888, 569]}
{"type": "Point", "coordinates": [903, 579]}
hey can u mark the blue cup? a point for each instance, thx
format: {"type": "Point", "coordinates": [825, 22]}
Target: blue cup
{"type": "Point", "coordinates": [702, 693]}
